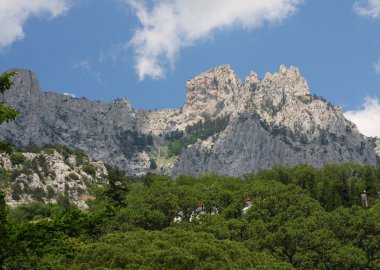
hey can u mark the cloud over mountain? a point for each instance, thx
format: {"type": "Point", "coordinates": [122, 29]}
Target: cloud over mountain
{"type": "Point", "coordinates": [367, 119]}
{"type": "Point", "coordinates": [167, 26]}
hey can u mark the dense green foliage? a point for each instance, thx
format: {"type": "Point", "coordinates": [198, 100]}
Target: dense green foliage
{"type": "Point", "coordinates": [300, 218]}
{"type": "Point", "coordinates": [6, 113]}
{"type": "Point", "coordinates": [201, 130]}
{"type": "Point", "coordinates": [17, 158]}
{"type": "Point", "coordinates": [153, 164]}
{"type": "Point", "coordinates": [89, 169]}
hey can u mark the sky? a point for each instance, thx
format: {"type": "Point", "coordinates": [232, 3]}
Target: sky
{"type": "Point", "coordinates": [146, 50]}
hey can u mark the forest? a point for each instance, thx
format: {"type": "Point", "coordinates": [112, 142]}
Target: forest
{"type": "Point", "coordinates": [282, 218]}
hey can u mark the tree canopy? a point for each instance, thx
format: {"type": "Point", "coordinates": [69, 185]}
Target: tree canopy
{"type": "Point", "coordinates": [283, 218]}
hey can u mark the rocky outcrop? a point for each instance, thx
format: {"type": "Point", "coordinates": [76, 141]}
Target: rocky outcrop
{"type": "Point", "coordinates": [377, 147]}
{"type": "Point", "coordinates": [47, 175]}
{"type": "Point", "coordinates": [271, 120]}
{"type": "Point", "coordinates": [281, 123]}
{"type": "Point", "coordinates": [283, 100]}
{"type": "Point", "coordinates": [218, 91]}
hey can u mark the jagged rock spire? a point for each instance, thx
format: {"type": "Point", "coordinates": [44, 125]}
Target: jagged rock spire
{"type": "Point", "coordinates": [214, 92]}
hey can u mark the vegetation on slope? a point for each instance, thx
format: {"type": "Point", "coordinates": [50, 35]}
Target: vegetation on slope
{"type": "Point", "coordinates": [300, 218]}
{"type": "Point", "coordinates": [201, 130]}
{"type": "Point", "coordinates": [45, 174]}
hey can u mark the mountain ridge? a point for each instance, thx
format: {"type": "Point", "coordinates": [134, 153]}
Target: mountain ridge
{"type": "Point", "coordinates": [271, 120]}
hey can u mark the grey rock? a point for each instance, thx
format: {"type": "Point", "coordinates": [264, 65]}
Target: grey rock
{"type": "Point", "coordinates": [275, 120]}
{"type": "Point", "coordinates": [377, 146]}
{"type": "Point", "coordinates": [99, 128]}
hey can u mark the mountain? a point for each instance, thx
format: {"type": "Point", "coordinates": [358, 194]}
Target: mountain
{"type": "Point", "coordinates": [225, 126]}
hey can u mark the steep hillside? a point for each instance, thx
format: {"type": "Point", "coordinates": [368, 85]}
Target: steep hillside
{"type": "Point", "coordinates": [49, 175]}
{"type": "Point", "coordinates": [224, 126]}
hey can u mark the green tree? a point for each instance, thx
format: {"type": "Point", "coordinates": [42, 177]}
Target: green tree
{"type": "Point", "coordinates": [116, 188]}
{"type": "Point", "coordinates": [153, 164]}
{"type": "Point", "coordinates": [3, 231]}
{"type": "Point", "coordinates": [17, 158]}
{"type": "Point", "coordinates": [6, 113]}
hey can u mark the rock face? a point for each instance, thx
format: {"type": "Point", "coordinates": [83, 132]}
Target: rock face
{"type": "Point", "coordinates": [273, 120]}
{"type": "Point", "coordinates": [46, 175]}
{"type": "Point", "coordinates": [106, 131]}
{"type": "Point", "coordinates": [377, 148]}
{"type": "Point", "coordinates": [215, 92]}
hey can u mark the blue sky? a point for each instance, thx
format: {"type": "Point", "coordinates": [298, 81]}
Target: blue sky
{"type": "Point", "coordinates": [146, 50]}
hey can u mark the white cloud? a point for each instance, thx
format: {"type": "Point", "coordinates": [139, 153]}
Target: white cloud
{"type": "Point", "coordinates": [367, 119]}
{"type": "Point", "coordinates": [369, 8]}
{"type": "Point", "coordinates": [376, 66]}
{"type": "Point", "coordinates": [70, 94]}
{"type": "Point", "coordinates": [14, 14]}
{"type": "Point", "coordinates": [169, 25]}
{"type": "Point", "coordinates": [86, 68]}
{"type": "Point", "coordinates": [111, 55]}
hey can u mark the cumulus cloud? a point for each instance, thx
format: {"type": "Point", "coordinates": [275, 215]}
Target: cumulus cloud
{"type": "Point", "coordinates": [87, 70]}
{"type": "Point", "coordinates": [367, 119]}
{"type": "Point", "coordinates": [370, 8]}
{"type": "Point", "coordinates": [169, 25]}
{"type": "Point", "coordinates": [14, 14]}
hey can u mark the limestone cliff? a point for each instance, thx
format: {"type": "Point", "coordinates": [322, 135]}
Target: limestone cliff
{"type": "Point", "coordinates": [279, 121]}
{"type": "Point", "coordinates": [377, 148]}
{"type": "Point", "coordinates": [271, 120]}
{"type": "Point", "coordinates": [106, 131]}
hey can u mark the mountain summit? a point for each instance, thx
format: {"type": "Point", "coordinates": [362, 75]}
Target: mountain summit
{"type": "Point", "coordinates": [225, 126]}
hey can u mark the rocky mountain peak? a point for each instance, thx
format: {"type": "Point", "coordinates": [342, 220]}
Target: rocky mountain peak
{"type": "Point", "coordinates": [288, 80]}
{"type": "Point", "coordinates": [26, 85]}
{"type": "Point", "coordinates": [214, 92]}
{"type": "Point", "coordinates": [251, 81]}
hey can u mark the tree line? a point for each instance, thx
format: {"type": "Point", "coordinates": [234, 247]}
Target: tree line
{"type": "Point", "coordinates": [156, 223]}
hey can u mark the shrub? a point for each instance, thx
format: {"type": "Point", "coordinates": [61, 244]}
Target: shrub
{"type": "Point", "coordinates": [50, 192]}
{"type": "Point", "coordinates": [73, 176]}
{"type": "Point", "coordinates": [38, 194]}
{"type": "Point", "coordinates": [16, 192]}
{"type": "Point", "coordinates": [89, 169]}
{"type": "Point", "coordinates": [17, 158]}
{"type": "Point", "coordinates": [15, 174]}
{"type": "Point", "coordinates": [79, 156]}
{"type": "Point", "coordinates": [80, 191]}
{"type": "Point", "coordinates": [153, 164]}
{"type": "Point", "coordinates": [4, 177]}
{"type": "Point", "coordinates": [43, 164]}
